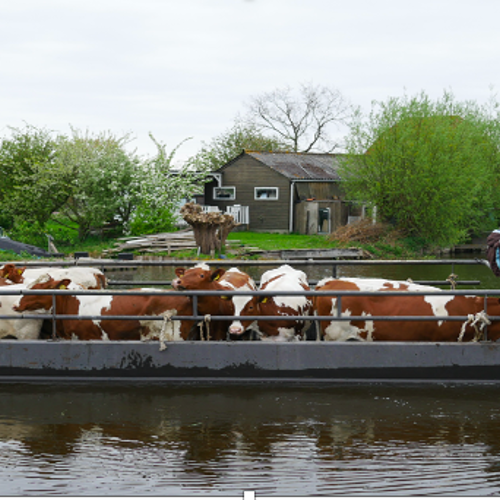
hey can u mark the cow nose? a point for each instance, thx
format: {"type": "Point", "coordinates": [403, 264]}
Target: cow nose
{"type": "Point", "coordinates": [235, 329]}
{"type": "Point", "coordinates": [176, 283]}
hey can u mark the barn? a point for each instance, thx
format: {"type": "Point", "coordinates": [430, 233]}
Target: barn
{"type": "Point", "coordinates": [281, 192]}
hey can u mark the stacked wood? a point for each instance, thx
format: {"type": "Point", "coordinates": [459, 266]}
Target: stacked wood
{"type": "Point", "coordinates": [210, 228]}
{"type": "Point", "coordinates": [364, 231]}
{"type": "Point", "coordinates": [154, 243]}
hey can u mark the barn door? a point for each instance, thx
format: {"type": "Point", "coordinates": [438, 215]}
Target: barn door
{"type": "Point", "coordinates": [324, 220]}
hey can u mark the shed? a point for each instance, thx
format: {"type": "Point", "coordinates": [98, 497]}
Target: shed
{"type": "Point", "coordinates": [284, 192]}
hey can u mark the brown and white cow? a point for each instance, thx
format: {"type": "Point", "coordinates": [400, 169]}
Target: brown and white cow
{"type": "Point", "coordinates": [86, 277]}
{"type": "Point", "coordinates": [284, 278]}
{"type": "Point", "coordinates": [412, 305]}
{"type": "Point", "coordinates": [10, 274]}
{"type": "Point", "coordinates": [17, 328]}
{"type": "Point", "coordinates": [201, 277]}
{"type": "Point", "coordinates": [112, 305]}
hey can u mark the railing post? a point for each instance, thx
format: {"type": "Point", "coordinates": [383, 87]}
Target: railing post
{"type": "Point", "coordinates": [195, 305]}
{"type": "Point", "coordinates": [54, 333]}
{"type": "Point", "coordinates": [485, 331]}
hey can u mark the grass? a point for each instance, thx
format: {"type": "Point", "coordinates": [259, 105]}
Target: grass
{"type": "Point", "coordinates": [382, 249]}
{"type": "Point", "coordinates": [273, 241]}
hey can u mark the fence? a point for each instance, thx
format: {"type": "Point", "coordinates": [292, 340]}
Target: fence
{"type": "Point", "coordinates": [338, 316]}
{"type": "Point", "coordinates": [241, 214]}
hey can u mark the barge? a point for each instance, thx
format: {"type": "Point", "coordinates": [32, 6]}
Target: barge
{"type": "Point", "coordinates": [248, 362]}
{"type": "Point", "coordinates": [227, 362]}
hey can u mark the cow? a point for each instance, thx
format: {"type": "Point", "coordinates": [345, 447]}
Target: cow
{"type": "Point", "coordinates": [411, 305]}
{"type": "Point", "coordinates": [87, 277]}
{"type": "Point", "coordinates": [81, 278]}
{"type": "Point", "coordinates": [284, 278]}
{"type": "Point", "coordinates": [201, 277]}
{"type": "Point", "coordinates": [17, 328]}
{"type": "Point", "coordinates": [105, 304]}
{"type": "Point", "coordinates": [10, 274]}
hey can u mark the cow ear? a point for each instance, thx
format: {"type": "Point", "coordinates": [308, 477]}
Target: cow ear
{"type": "Point", "coordinates": [63, 284]}
{"type": "Point", "coordinates": [180, 271]}
{"type": "Point", "coordinates": [21, 270]}
{"type": "Point", "coordinates": [217, 274]}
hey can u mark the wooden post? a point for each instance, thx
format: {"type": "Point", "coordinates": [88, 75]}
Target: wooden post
{"type": "Point", "coordinates": [210, 229]}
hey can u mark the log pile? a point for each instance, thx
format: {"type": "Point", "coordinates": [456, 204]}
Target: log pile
{"type": "Point", "coordinates": [365, 231]}
{"type": "Point", "coordinates": [155, 243]}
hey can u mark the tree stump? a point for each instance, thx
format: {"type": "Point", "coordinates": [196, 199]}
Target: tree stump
{"type": "Point", "coordinates": [210, 229]}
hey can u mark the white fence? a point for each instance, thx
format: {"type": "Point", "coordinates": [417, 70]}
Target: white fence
{"type": "Point", "coordinates": [240, 213]}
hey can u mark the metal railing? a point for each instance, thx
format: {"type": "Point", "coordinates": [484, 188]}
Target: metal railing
{"type": "Point", "coordinates": [338, 294]}
{"type": "Point", "coordinates": [112, 264]}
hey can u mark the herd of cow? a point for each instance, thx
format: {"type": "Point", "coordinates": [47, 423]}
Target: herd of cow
{"type": "Point", "coordinates": [254, 316]}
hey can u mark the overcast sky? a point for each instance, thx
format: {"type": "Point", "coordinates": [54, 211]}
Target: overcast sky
{"type": "Point", "coordinates": [185, 68]}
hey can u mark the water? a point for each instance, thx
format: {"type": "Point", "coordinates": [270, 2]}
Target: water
{"type": "Point", "coordinates": [185, 440]}
{"type": "Point", "coordinates": [317, 272]}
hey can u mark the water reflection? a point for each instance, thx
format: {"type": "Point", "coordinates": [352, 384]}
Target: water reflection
{"type": "Point", "coordinates": [180, 440]}
{"type": "Point", "coordinates": [416, 272]}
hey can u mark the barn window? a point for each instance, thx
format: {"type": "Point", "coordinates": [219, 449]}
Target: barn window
{"type": "Point", "coordinates": [225, 193]}
{"type": "Point", "coordinates": [266, 193]}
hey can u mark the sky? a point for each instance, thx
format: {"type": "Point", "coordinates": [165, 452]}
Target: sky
{"type": "Point", "coordinates": [184, 70]}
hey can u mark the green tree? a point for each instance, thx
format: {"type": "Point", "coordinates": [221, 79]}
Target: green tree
{"type": "Point", "coordinates": [229, 144]}
{"type": "Point", "coordinates": [32, 182]}
{"type": "Point", "coordinates": [162, 189]}
{"type": "Point", "coordinates": [430, 167]}
{"type": "Point", "coordinates": [104, 186]}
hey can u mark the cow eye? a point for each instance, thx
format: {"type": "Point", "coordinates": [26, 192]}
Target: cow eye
{"type": "Point", "coordinates": [202, 275]}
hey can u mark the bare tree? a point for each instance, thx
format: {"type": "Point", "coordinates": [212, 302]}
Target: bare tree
{"type": "Point", "coordinates": [210, 229]}
{"type": "Point", "coordinates": [302, 119]}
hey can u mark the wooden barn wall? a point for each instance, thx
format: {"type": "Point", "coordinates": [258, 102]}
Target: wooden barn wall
{"type": "Point", "coordinates": [307, 216]}
{"type": "Point", "coordinates": [318, 190]}
{"type": "Point", "coordinates": [265, 215]}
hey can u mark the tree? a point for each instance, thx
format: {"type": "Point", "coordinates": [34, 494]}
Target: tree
{"type": "Point", "coordinates": [301, 119]}
{"type": "Point", "coordinates": [210, 229]}
{"type": "Point", "coordinates": [430, 168]}
{"type": "Point", "coordinates": [162, 189]}
{"type": "Point", "coordinates": [32, 182]}
{"type": "Point", "coordinates": [104, 186]}
{"type": "Point", "coordinates": [229, 144]}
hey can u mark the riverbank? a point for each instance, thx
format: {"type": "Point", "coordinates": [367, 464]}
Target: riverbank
{"type": "Point", "coordinates": [351, 243]}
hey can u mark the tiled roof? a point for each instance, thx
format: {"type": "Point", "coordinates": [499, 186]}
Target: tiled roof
{"type": "Point", "coordinates": [307, 166]}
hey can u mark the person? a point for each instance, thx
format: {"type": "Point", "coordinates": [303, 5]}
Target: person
{"type": "Point", "coordinates": [493, 251]}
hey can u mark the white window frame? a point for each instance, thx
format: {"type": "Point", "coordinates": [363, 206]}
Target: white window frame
{"type": "Point", "coordinates": [224, 198]}
{"type": "Point", "coordinates": [255, 189]}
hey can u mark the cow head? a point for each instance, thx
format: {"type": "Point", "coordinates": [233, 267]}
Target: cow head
{"type": "Point", "coordinates": [246, 306]}
{"type": "Point", "coordinates": [12, 273]}
{"type": "Point", "coordinates": [41, 302]}
{"type": "Point", "coordinates": [200, 277]}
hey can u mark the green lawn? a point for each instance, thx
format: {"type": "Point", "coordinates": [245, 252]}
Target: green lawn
{"type": "Point", "coordinates": [273, 241]}
{"type": "Point", "coordinates": [262, 241]}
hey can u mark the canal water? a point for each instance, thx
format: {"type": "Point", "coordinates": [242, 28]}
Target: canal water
{"type": "Point", "coordinates": [183, 440]}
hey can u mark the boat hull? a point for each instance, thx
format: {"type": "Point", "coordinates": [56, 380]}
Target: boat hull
{"type": "Point", "coordinates": [244, 362]}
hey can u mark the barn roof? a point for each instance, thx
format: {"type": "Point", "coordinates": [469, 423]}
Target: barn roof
{"type": "Point", "coordinates": [300, 166]}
